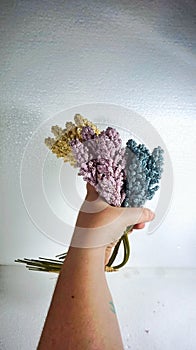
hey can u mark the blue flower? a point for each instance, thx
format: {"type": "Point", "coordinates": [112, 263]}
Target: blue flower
{"type": "Point", "coordinates": [143, 172]}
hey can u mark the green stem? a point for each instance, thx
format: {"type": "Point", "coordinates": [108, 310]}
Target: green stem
{"type": "Point", "coordinates": [126, 252]}
{"type": "Point", "coordinates": [126, 245]}
{"type": "Point", "coordinates": [47, 265]}
{"type": "Point", "coordinates": [114, 253]}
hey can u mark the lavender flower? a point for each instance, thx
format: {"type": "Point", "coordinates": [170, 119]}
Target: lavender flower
{"type": "Point", "coordinates": [101, 160]}
{"type": "Point", "coordinates": [87, 133]}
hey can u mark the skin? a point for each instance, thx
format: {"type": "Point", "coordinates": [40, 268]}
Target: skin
{"type": "Point", "coordinates": [82, 315]}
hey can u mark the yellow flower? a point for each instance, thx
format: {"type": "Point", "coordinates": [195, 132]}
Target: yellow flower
{"type": "Point", "coordinates": [81, 121]}
{"type": "Point", "coordinates": [60, 144]}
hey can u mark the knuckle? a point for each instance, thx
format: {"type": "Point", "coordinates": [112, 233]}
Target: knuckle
{"type": "Point", "coordinates": [148, 214]}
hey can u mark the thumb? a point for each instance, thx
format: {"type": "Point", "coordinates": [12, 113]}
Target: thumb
{"type": "Point", "coordinates": [144, 215]}
{"type": "Point", "coordinates": [132, 216]}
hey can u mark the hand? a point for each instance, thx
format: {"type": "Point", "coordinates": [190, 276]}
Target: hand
{"type": "Point", "coordinates": [99, 223]}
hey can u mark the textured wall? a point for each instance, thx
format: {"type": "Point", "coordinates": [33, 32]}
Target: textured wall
{"type": "Point", "coordinates": [137, 54]}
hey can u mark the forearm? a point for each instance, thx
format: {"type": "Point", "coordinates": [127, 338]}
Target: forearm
{"type": "Point", "coordinates": [81, 314]}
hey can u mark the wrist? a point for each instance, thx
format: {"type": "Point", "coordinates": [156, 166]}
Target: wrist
{"type": "Point", "coordinates": [86, 258]}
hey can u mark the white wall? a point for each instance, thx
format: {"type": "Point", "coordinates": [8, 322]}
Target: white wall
{"type": "Point", "coordinates": [133, 54]}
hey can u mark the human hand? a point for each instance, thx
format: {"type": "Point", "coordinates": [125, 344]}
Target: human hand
{"type": "Point", "coordinates": [99, 223]}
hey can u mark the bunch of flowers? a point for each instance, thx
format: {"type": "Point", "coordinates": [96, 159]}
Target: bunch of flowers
{"type": "Point", "coordinates": [123, 176]}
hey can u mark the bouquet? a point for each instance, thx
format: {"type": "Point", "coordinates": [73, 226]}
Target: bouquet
{"type": "Point", "coordinates": [123, 176]}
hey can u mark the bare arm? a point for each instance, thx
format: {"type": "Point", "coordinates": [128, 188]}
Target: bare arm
{"type": "Point", "coordinates": [82, 315]}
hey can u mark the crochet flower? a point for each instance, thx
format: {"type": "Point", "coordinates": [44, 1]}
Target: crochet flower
{"type": "Point", "coordinates": [60, 145]}
{"type": "Point", "coordinates": [143, 173]}
{"type": "Point", "coordinates": [101, 162]}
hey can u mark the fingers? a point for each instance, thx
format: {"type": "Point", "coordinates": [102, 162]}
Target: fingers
{"type": "Point", "coordinates": [134, 215]}
{"type": "Point", "coordinates": [99, 223]}
{"type": "Point", "coordinates": [131, 216]}
{"type": "Point", "coordinates": [139, 216]}
{"type": "Point", "coordinates": [106, 226]}
{"type": "Point", "coordinates": [146, 216]}
{"type": "Point", "coordinates": [109, 215]}
{"type": "Point", "coordinates": [139, 226]}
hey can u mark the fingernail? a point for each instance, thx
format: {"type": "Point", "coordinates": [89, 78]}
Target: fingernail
{"type": "Point", "coordinates": [152, 215]}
